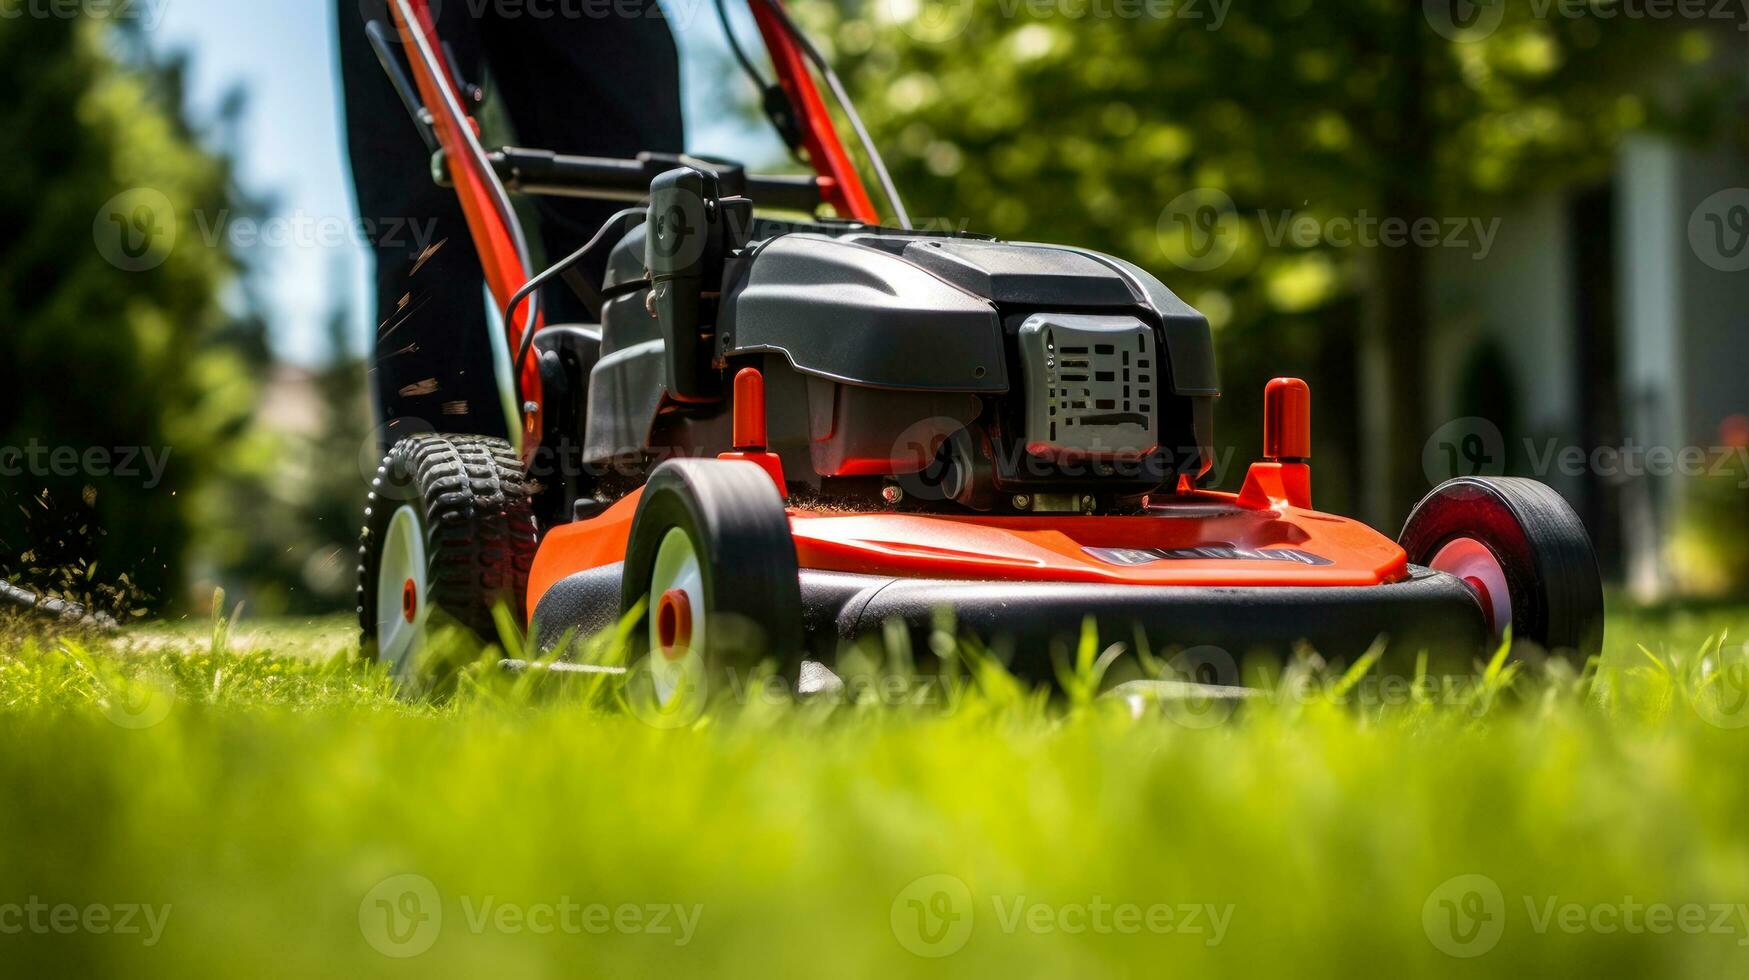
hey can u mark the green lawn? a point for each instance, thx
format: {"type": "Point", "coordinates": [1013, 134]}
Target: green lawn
{"type": "Point", "coordinates": [173, 806]}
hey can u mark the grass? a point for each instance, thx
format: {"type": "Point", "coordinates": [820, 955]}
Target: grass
{"type": "Point", "coordinates": [266, 799]}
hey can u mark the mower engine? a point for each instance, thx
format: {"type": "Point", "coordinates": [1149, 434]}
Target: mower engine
{"type": "Point", "coordinates": [941, 369]}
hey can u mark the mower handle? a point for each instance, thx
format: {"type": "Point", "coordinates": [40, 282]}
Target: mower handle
{"type": "Point", "coordinates": [611, 179]}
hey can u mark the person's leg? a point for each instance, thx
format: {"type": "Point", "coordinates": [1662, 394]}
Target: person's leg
{"type": "Point", "coordinates": [604, 81]}
{"type": "Point", "coordinates": [432, 367]}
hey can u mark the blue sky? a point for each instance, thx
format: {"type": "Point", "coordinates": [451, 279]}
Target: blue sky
{"type": "Point", "coordinates": [282, 52]}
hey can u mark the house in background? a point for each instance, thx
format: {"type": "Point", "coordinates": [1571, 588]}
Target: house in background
{"type": "Point", "coordinates": [1612, 317]}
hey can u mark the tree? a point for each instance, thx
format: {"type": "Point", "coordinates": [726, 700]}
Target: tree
{"type": "Point", "coordinates": [1195, 137]}
{"type": "Point", "coordinates": [124, 382]}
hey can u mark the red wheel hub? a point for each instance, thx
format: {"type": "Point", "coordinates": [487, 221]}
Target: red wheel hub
{"type": "Point", "coordinates": [409, 600]}
{"type": "Point", "coordinates": [1486, 596]}
{"type": "Point", "coordinates": [674, 623]}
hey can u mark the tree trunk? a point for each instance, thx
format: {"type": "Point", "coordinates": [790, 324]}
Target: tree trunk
{"type": "Point", "coordinates": [1394, 358]}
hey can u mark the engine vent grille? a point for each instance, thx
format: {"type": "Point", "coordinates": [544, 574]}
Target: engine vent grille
{"type": "Point", "coordinates": [1091, 385]}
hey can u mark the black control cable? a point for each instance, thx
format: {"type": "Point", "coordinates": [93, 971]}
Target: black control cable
{"type": "Point", "coordinates": [838, 92]}
{"type": "Point", "coordinates": [546, 276]}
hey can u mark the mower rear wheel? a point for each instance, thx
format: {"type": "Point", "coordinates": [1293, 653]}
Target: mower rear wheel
{"type": "Point", "coordinates": [711, 556]}
{"type": "Point", "coordinates": [1522, 551]}
{"type": "Point", "coordinates": [449, 534]}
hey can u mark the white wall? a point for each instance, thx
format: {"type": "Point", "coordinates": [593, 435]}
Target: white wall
{"type": "Point", "coordinates": [1520, 296]}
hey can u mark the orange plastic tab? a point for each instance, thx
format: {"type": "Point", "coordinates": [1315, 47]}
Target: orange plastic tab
{"type": "Point", "coordinates": [750, 410]}
{"type": "Point", "coordinates": [1287, 421]}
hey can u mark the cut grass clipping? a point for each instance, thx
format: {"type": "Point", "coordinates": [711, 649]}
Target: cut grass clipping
{"type": "Point", "coordinates": [246, 798]}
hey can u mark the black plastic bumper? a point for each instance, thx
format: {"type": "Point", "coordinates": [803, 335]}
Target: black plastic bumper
{"type": "Point", "coordinates": [1431, 612]}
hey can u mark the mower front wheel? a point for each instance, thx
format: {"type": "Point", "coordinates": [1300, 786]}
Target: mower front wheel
{"type": "Point", "coordinates": [449, 535]}
{"type": "Point", "coordinates": [1523, 553]}
{"type": "Point", "coordinates": [711, 557]}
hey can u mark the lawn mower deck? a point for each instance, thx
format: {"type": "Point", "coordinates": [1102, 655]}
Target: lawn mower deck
{"type": "Point", "coordinates": [787, 433]}
{"type": "Point", "coordinates": [1200, 571]}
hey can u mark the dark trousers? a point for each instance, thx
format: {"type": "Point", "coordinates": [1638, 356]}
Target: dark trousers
{"type": "Point", "coordinates": [604, 85]}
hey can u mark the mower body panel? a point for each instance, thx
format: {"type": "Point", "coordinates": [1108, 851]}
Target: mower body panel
{"type": "Point", "coordinates": [844, 311]}
{"type": "Point", "coordinates": [1202, 569]}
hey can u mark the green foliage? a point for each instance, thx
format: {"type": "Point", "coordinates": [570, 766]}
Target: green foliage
{"type": "Point", "coordinates": [266, 792]}
{"type": "Point", "coordinates": [115, 337]}
{"type": "Point", "coordinates": [1707, 553]}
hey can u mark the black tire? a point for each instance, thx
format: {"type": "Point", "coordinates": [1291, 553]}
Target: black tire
{"type": "Point", "coordinates": [1540, 545]}
{"type": "Point", "coordinates": [476, 520]}
{"type": "Point", "coordinates": [735, 521]}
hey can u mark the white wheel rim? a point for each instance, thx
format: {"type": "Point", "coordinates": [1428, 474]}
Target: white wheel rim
{"type": "Point", "coordinates": [1471, 561]}
{"type": "Point", "coordinates": [400, 587]}
{"type": "Point", "coordinates": [676, 567]}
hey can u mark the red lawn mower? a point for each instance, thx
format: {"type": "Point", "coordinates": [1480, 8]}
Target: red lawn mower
{"type": "Point", "coordinates": [788, 433]}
